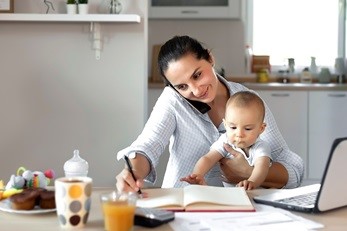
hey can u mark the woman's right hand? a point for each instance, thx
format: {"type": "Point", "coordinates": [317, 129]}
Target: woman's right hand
{"type": "Point", "coordinates": [126, 183]}
{"type": "Point", "coordinates": [235, 169]}
{"type": "Point", "coordinates": [141, 168]}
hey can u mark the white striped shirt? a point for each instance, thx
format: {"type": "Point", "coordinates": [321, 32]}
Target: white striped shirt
{"type": "Point", "coordinates": [190, 135]}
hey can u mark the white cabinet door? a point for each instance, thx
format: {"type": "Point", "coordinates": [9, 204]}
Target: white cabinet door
{"type": "Point", "coordinates": [327, 121]}
{"type": "Point", "coordinates": [290, 111]}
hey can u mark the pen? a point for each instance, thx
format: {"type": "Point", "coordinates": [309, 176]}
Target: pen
{"type": "Point", "coordinates": [127, 161]}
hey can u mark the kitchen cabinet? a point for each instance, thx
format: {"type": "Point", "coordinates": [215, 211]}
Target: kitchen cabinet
{"type": "Point", "coordinates": [290, 109]}
{"type": "Point", "coordinates": [327, 121]}
{"type": "Point", "coordinates": [309, 122]}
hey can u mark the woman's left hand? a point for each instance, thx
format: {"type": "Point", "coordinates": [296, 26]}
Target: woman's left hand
{"type": "Point", "coordinates": [235, 169]}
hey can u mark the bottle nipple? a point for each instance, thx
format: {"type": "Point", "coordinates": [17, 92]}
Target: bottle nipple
{"type": "Point", "coordinates": [76, 166]}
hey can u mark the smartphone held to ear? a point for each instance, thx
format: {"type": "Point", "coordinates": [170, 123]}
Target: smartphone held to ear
{"type": "Point", "coordinates": [200, 106]}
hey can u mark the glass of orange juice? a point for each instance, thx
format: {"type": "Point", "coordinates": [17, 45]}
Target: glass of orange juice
{"type": "Point", "coordinates": [119, 210]}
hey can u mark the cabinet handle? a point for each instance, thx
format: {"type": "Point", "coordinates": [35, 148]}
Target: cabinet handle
{"type": "Point", "coordinates": [189, 12]}
{"type": "Point", "coordinates": [337, 95]}
{"type": "Point", "coordinates": [280, 94]}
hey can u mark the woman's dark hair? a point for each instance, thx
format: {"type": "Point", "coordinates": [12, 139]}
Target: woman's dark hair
{"type": "Point", "coordinates": [176, 48]}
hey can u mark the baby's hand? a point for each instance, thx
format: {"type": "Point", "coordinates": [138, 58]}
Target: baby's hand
{"type": "Point", "coordinates": [248, 185]}
{"type": "Point", "coordinates": [194, 179]}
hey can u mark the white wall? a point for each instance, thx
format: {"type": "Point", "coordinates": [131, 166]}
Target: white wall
{"type": "Point", "coordinates": [56, 97]}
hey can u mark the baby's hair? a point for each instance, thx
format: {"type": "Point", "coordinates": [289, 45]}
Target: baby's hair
{"type": "Point", "coordinates": [246, 98]}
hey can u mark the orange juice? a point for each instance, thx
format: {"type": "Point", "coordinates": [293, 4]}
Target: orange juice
{"type": "Point", "coordinates": [118, 215]}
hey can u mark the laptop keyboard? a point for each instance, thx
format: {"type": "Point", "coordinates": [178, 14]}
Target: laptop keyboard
{"type": "Point", "coordinates": [302, 200]}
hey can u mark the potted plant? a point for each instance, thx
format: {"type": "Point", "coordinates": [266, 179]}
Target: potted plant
{"type": "Point", "coordinates": [83, 6]}
{"type": "Point", "coordinates": [71, 6]}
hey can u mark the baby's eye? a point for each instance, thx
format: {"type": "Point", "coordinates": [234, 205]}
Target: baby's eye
{"type": "Point", "coordinates": [233, 128]}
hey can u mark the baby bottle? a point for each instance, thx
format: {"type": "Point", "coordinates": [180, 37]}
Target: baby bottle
{"type": "Point", "coordinates": [76, 166]}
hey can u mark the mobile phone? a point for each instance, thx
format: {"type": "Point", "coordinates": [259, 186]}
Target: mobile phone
{"type": "Point", "coordinates": [152, 217]}
{"type": "Point", "coordinates": [200, 106]}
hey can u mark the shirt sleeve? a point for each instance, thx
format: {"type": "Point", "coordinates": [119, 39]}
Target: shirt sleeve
{"type": "Point", "coordinates": [155, 135]}
{"type": "Point", "coordinates": [259, 149]}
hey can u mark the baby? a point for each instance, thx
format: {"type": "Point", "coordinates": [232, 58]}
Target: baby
{"type": "Point", "coordinates": [244, 122]}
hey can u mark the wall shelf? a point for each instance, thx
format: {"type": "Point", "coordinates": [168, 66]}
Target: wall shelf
{"type": "Point", "coordinates": [104, 18]}
{"type": "Point", "coordinates": [93, 19]}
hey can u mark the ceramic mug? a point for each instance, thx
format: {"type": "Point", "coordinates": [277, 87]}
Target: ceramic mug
{"type": "Point", "coordinates": [73, 200]}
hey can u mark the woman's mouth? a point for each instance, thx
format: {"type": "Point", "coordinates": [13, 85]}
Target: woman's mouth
{"type": "Point", "coordinates": [204, 95]}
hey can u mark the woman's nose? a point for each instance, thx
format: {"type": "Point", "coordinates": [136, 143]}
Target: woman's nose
{"type": "Point", "coordinates": [196, 90]}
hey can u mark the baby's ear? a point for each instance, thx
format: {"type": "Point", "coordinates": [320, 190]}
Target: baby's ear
{"type": "Point", "coordinates": [263, 126]}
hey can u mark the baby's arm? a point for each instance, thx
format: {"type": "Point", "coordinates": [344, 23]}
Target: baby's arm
{"type": "Point", "coordinates": [204, 164]}
{"type": "Point", "coordinates": [259, 173]}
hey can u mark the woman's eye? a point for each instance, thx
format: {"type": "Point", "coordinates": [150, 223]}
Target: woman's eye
{"type": "Point", "coordinates": [197, 75]}
{"type": "Point", "coordinates": [182, 87]}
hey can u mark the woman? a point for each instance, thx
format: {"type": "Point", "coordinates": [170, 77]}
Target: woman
{"type": "Point", "coordinates": [188, 115]}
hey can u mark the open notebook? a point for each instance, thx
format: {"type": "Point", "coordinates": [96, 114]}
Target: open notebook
{"type": "Point", "coordinates": [329, 194]}
{"type": "Point", "coordinates": [197, 198]}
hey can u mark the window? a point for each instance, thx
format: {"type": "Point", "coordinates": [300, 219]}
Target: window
{"type": "Point", "coordinates": [297, 29]}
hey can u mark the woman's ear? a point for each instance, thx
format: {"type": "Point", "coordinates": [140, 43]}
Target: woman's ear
{"type": "Point", "coordinates": [211, 59]}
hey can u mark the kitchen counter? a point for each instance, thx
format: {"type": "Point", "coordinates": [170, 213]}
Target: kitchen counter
{"type": "Point", "coordinates": [273, 84]}
{"type": "Point", "coordinates": [281, 86]}
{"type": "Point", "coordinates": [297, 86]}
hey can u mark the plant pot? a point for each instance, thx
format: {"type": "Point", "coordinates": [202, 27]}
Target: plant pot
{"type": "Point", "coordinates": [83, 9]}
{"type": "Point", "coordinates": [71, 8]}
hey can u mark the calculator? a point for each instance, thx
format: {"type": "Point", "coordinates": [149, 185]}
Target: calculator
{"type": "Point", "coordinates": [152, 217]}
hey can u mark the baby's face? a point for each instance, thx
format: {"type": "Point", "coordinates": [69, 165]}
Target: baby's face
{"type": "Point", "coordinates": [243, 125]}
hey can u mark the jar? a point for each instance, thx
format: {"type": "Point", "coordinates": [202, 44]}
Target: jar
{"type": "Point", "coordinates": [283, 76]}
{"type": "Point", "coordinates": [263, 76]}
{"type": "Point", "coordinates": [306, 76]}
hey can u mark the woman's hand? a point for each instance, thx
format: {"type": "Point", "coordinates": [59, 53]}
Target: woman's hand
{"type": "Point", "coordinates": [126, 183]}
{"type": "Point", "coordinates": [235, 169]}
{"type": "Point", "coordinates": [141, 168]}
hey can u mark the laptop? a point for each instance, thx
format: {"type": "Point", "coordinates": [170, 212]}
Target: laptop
{"type": "Point", "coordinates": [329, 194]}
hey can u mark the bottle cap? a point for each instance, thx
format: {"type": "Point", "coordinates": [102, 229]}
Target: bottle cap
{"type": "Point", "coordinates": [76, 166]}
